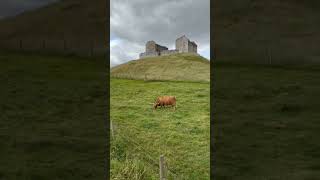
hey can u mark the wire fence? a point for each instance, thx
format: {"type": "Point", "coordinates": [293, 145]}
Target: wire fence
{"type": "Point", "coordinates": [153, 78]}
{"type": "Point", "coordinates": [88, 47]}
{"type": "Point", "coordinates": [161, 165]}
{"type": "Point", "coordinates": [280, 54]}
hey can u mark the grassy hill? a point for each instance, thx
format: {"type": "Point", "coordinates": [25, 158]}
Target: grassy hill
{"type": "Point", "coordinates": [52, 117]}
{"type": "Point", "coordinates": [53, 107]}
{"type": "Point", "coordinates": [250, 30]}
{"type": "Point", "coordinates": [182, 137]}
{"type": "Point", "coordinates": [78, 20]}
{"type": "Point", "coordinates": [177, 67]}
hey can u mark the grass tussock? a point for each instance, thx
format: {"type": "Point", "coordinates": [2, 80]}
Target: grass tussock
{"type": "Point", "coordinates": [126, 166]}
{"type": "Point", "coordinates": [128, 169]}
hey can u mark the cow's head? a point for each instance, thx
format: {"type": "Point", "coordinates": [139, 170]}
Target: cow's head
{"type": "Point", "coordinates": [155, 105]}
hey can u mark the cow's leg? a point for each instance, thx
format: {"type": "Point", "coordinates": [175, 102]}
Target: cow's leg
{"type": "Point", "coordinates": [155, 106]}
{"type": "Point", "coordinates": [161, 105]}
{"type": "Point", "coordinates": [174, 106]}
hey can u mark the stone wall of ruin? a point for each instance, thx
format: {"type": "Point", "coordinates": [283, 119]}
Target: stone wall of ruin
{"type": "Point", "coordinates": [150, 47]}
{"type": "Point", "coordinates": [160, 48]}
{"type": "Point", "coordinates": [183, 45]}
{"type": "Point", "coordinates": [149, 54]}
{"type": "Point", "coordinates": [192, 47]}
{"type": "Point", "coordinates": [168, 52]}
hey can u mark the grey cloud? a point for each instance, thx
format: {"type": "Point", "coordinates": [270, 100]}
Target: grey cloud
{"type": "Point", "coordinates": [163, 21]}
{"type": "Point", "coordinates": [123, 50]}
{"type": "Point", "coordinates": [142, 20]}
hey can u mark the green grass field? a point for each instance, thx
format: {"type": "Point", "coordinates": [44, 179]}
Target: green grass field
{"type": "Point", "coordinates": [53, 112]}
{"type": "Point", "coordinates": [141, 135]}
{"type": "Point", "coordinates": [267, 122]}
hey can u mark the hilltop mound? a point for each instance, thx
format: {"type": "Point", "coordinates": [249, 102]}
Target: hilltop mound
{"type": "Point", "coordinates": [65, 19]}
{"type": "Point", "coordinates": [176, 67]}
{"type": "Point", "coordinates": [286, 30]}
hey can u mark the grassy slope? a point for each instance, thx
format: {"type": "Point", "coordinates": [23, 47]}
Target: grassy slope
{"type": "Point", "coordinates": [64, 19]}
{"type": "Point", "coordinates": [266, 122]}
{"type": "Point", "coordinates": [52, 117]}
{"type": "Point", "coordinates": [244, 30]}
{"type": "Point", "coordinates": [179, 67]}
{"type": "Point", "coordinates": [183, 136]}
{"type": "Point", "coordinates": [266, 118]}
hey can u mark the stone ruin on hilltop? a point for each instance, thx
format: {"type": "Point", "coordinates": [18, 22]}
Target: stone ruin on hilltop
{"type": "Point", "coordinates": [183, 45]}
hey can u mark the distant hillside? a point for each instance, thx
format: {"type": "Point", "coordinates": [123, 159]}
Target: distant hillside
{"type": "Point", "coordinates": [80, 20]}
{"type": "Point", "coordinates": [288, 30]}
{"type": "Point", "coordinates": [178, 67]}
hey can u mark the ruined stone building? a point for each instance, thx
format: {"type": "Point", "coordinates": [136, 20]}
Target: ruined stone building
{"type": "Point", "coordinates": [153, 49]}
{"type": "Point", "coordinates": [183, 45]}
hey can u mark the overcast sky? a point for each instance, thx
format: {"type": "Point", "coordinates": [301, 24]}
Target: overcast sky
{"type": "Point", "coordinates": [134, 22]}
{"type": "Point", "coordinates": [14, 7]}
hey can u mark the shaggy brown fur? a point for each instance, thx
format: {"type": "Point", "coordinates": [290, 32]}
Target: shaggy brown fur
{"type": "Point", "coordinates": [165, 101]}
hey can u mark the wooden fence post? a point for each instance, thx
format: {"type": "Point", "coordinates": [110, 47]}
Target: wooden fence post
{"type": "Point", "coordinates": [112, 129]}
{"type": "Point", "coordinates": [162, 168]}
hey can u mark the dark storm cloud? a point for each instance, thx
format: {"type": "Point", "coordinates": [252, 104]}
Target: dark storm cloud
{"type": "Point", "coordinates": [14, 7]}
{"type": "Point", "coordinates": [137, 21]}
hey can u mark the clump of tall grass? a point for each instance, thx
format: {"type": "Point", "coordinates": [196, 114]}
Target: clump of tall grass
{"type": "Point", "coordinates": [128, 169]}
{"type": "Point", "coordinates": [125, 166]}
